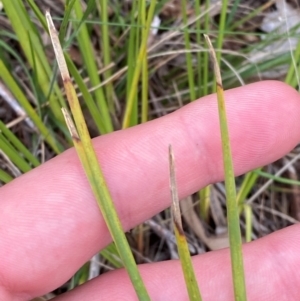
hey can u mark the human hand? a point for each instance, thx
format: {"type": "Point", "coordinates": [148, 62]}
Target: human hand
{"type": "Point", "coordinates": [50, 223]}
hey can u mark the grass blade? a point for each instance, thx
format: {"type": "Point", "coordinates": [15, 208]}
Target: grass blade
{"type": "Point", "coordinates": [13, 155]}
{"type": "Point", "coordinates": [18, 145]}
{"type": "Point", "coordinates": [145, 77]}
{"type": "Point", "coordinates": [188, 55]}
{"type": "Point", "coordinates": [183, 249]}
{"type": "Point", "coordinates": [205, 83]}
{"type": "Point", "coordinates": [247, 184]}
{"type": "Point", "coordinates": [16, 12]}
{"type": "Point", "coordinates": [89, 9]}
{"type": "Point", "coordinates": [222, 26]}
{"type": "Point", "coordinates": [89, 101]}
{"type": "Point", "coordinates": [87, 155]}
{"type": "Point", "coordinates": [38, 13]}
{"type": "Point", "coordinates": [276, 178]}
{"type": "Point", "coordinates": [110, 253]}
{"type": "Point", "coordinates": [106, 52]}
{"type": "Point", "coordinates": [248, 219]}
{"type": "Point", "coordinates": [235, 239]}
{"type": "Point", "coordinates": [252, 14]}
{"type": "Point", "coordinates": [139, 64]}
{"type": "Point", "coordinates": [292, 76]}
{"type": "Point", "coordinates": [87, 51]}
{"type": "Point", "coordinates": [199, 54]}
{"type": "Point", "coordinates": [5, 177]}
{"type": "Point", "coordinates": [132, 54]}
{"type": "Point", "coordinates": [65, 21]}
{"type": "Point", "coordinates": [17, 92]}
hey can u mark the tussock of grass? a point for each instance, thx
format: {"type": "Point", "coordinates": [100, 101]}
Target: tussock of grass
{"type": "Point", "coordinates": [125, 75]}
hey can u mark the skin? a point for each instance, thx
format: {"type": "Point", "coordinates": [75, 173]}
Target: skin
{"type": "Point", "coordinates": [50, 223]}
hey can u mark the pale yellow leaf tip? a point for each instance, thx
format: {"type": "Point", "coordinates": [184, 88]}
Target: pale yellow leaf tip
{"type": "Point", "coordinates": [62, 65]}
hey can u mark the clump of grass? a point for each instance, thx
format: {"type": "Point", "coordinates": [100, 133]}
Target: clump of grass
{"type": "Point", "coordinates": [113, 66]}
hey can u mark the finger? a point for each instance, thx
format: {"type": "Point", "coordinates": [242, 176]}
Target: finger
{"type": "Point", "coordinates": [54, 220]}
{"type": "Point", "coordinates": [271, 269]}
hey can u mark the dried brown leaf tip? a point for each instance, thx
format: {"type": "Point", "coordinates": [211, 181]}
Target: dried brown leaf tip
{"type": "Point", "coordinates": [62, 65]}
{"type": "Point", "coordinates": [214, 61]}
{"type": "Point", "coordinates": [174, 192]}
